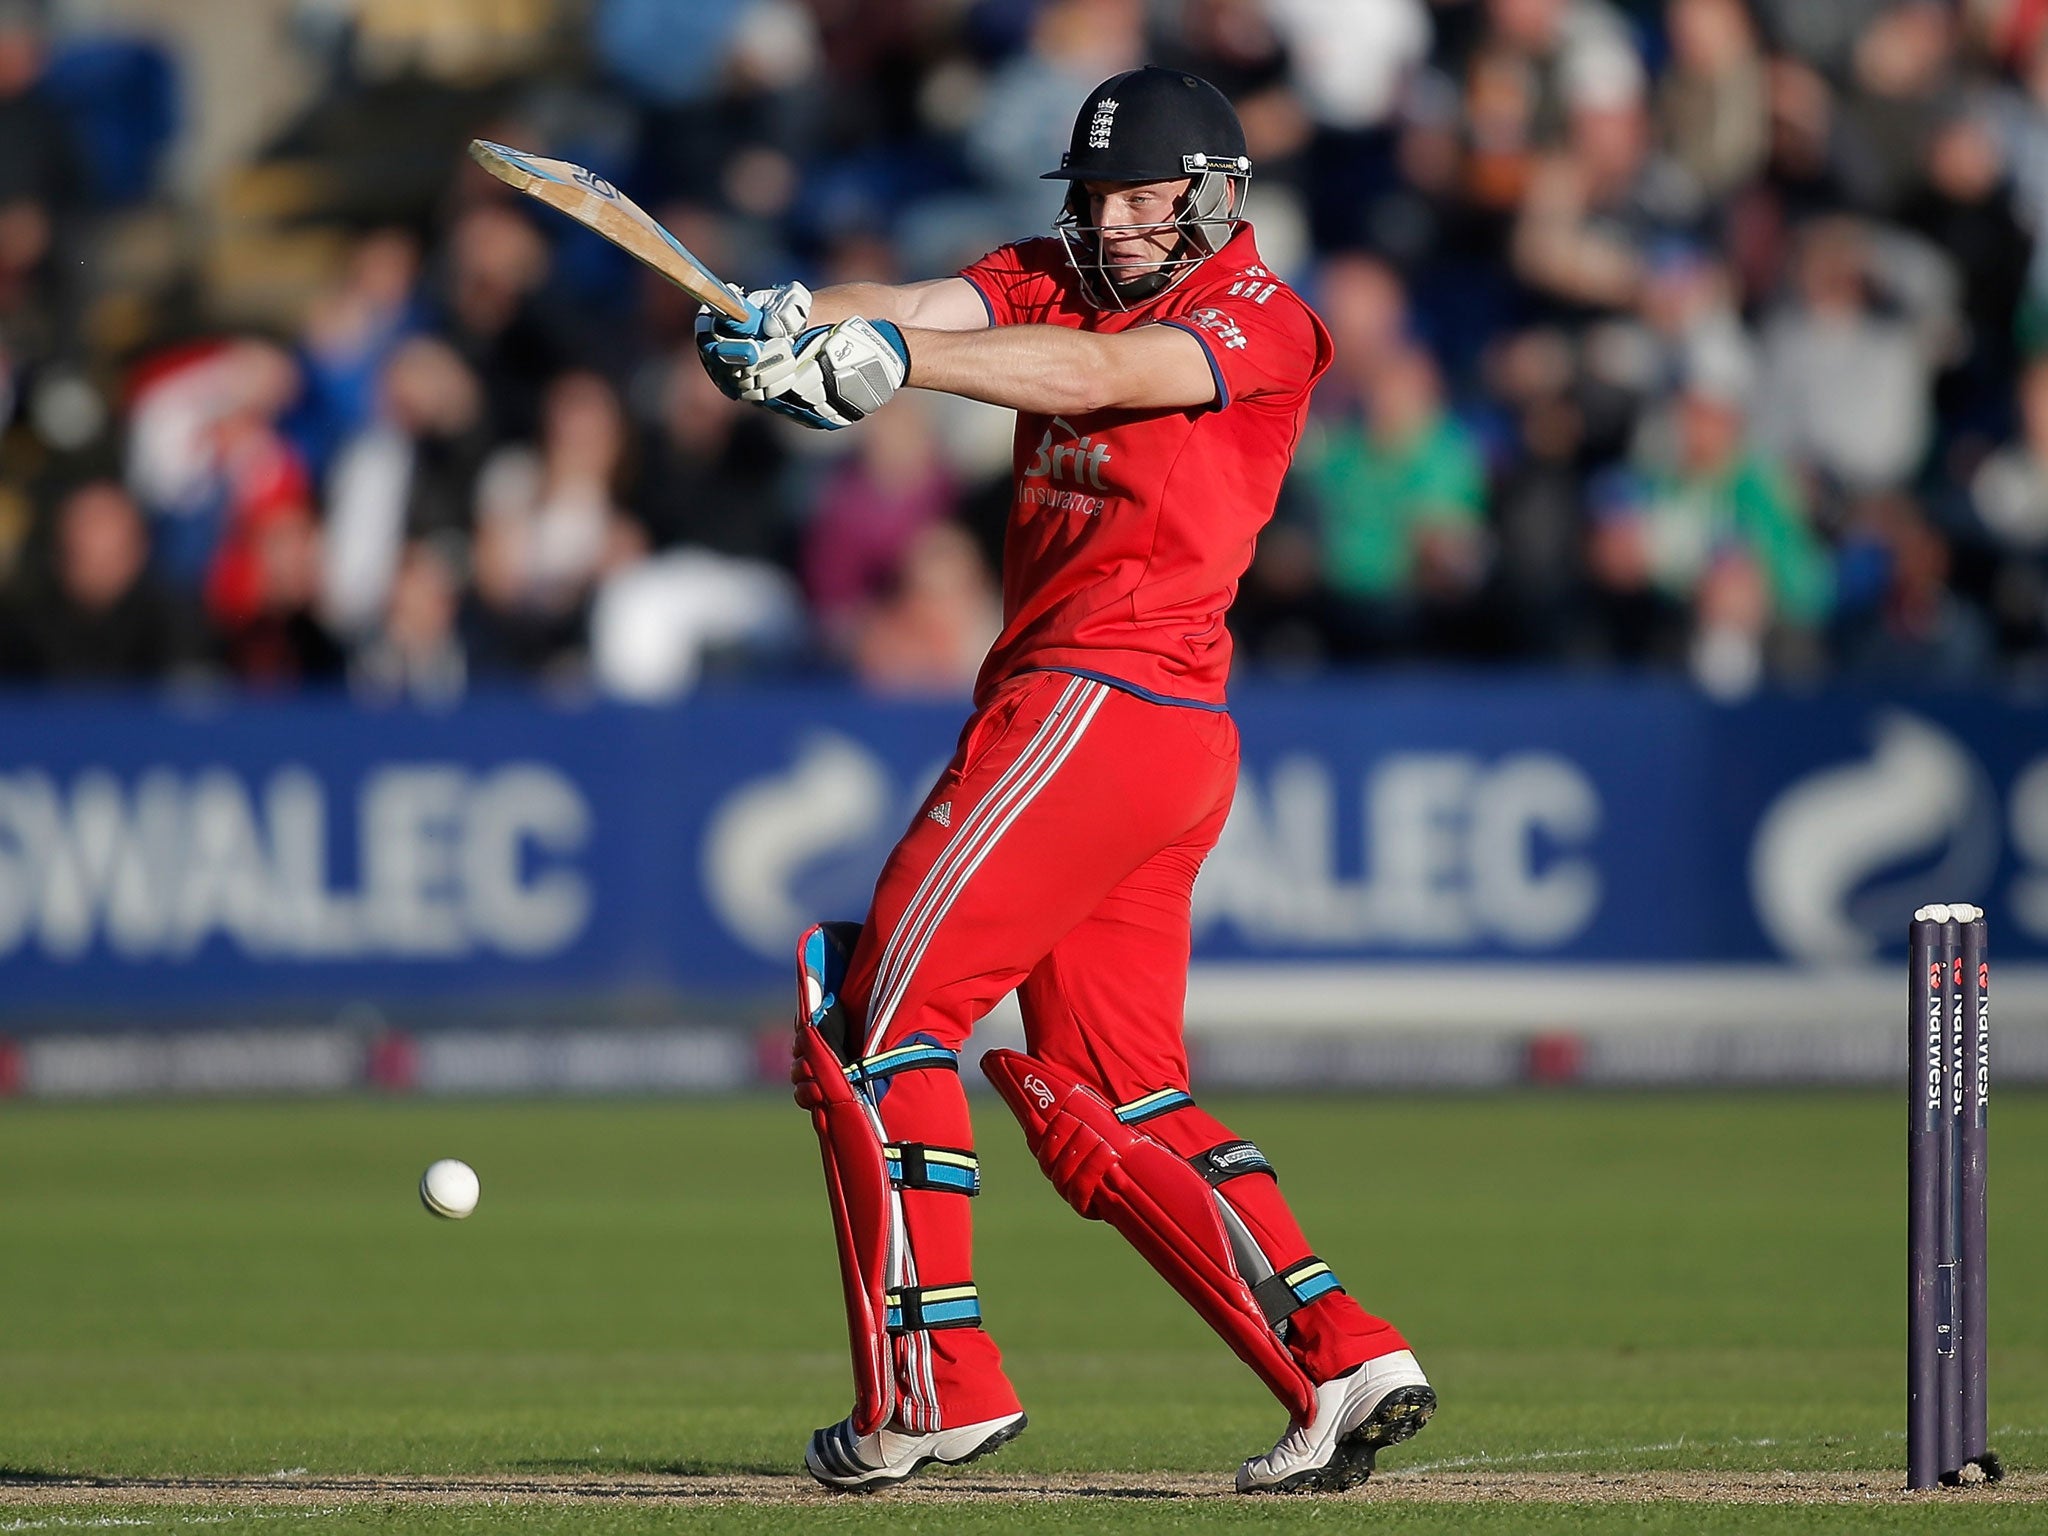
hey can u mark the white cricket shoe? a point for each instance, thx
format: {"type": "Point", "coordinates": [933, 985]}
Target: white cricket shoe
{"type": "Point", "coordinates": [1381, 1403]}
{"type": "Point", "coordinates": [853, 1463]}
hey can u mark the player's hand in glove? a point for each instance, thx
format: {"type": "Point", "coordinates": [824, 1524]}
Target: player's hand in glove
{"type": "Point", "coordinates": [730, 349]}
{"type": "Point", "coordinates": [833, 377]}
{"type": "Point", "coordinates": [785, 311]}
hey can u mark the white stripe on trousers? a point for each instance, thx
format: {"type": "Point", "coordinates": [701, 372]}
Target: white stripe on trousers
{"type": "Point", "coordinates": [1050, 747]}
{"type": "Point", "coordinates": [892, 953]}
{"type": "Point", "coordinates": [997, 811]}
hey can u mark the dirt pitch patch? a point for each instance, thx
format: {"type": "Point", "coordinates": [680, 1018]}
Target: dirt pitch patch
{"type": "Point", "coordinates": [1441, 1487]}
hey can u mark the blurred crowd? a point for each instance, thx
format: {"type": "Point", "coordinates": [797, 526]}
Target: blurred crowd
{"type": "Point", "coordinates": [1703, 336]}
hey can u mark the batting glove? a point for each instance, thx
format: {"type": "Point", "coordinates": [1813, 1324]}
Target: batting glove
{"type": "Point", "coordinates": [732, 349]}
{"type": "Point", "coordinates": [832, 377]}
{"type": "Point", "coordinates": [784, 311]}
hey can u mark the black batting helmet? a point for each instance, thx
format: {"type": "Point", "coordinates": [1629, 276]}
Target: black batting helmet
{"type": "Point", "coordinates": [1154, 124]}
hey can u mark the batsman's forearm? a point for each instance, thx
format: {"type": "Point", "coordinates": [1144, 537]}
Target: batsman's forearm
{"type": "Point", "coordinates": [878, 301]}
{"type": "Point", "coordinates": [1044, 368]}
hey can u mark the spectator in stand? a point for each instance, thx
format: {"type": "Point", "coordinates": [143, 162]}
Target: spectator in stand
{"type": "Point", "coordinates": [732, 84]}
{"type": "Point", "coordinates": [490, 312]}
{"type": "Point", "coordinates": [1845, 388]}
{"type": "Point", "coordinates": [713, 472]}
{"type": "Point", "coordinates": [1497, 109]}
{"type": "Point", "coordinates": [1365, 307]}
{"type": "Point", "coordinates": [1349, 62]}
{"type": "Point", "coordinates": [1902, 86]}
{"type": "Point", "coordinates": [409, 473]}
{"type": "Point", "coordinates": [870, 511]}
{"type": "Point", "coordinates": [1965, 211]}
{"type": "Point", "coordinates": [1687, 311]}
{"type": "Point", "coordinates": [711, 499]}
{"type": "Point", "coordinates": [1028, 108]}
{"type": "Point", "coordinates": [1731, 626]}
{"type": "Point", "coordinates": [1720, 531]}
{"type": "Point", "coordinates": [1636, 620]}
{"type": "Point", "coordinates": [671, 57]}
{"type": "Point", "coordinates": [658, 625]}
{"type": "Point", "coordinates": [206, 457]}
{"type": "Point", "coordinates": [1402, 498]}
{"type": "Point", "coordinates": [417, 656]}
{"type": "Point", "coordinates": [1712, 103]}
{"type": "Point", "coordinates": [1917, 628]}
{"type": "Point", "coordinates": [268, 544]}
{"type": "Point", "coordinates": [98, 616]}
{"type": "Point", "coordinates": [1539, 505]}
{"type": "Point", "coordinates": [351, 333]}
{"type": "Point", "coordinates": [550, 524]}
{"type": "Point", "coordinates": [1595, 205]}
{"type": "Point", "coordinates": [1464, 152]}
{"type": "Point", "coordinates": [929, 633]}
{"type": "Point", "coordinates": [1238, 47]}
{"type": "Point", "coordinates": [272, 636]}
{"type": "Point", "coordinates": [1801, 182]}
{"type": "Point", "coordinates": [1564, 50]}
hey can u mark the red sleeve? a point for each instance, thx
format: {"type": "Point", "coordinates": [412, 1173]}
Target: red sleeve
{"type": "Point", "coordinates": [1015, 282]}
{"type": "Point", "coordinates": [1262, 344]}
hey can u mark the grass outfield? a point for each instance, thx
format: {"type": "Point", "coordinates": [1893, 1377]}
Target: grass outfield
{"type": "Point", "coordinates": [1646, 1313]}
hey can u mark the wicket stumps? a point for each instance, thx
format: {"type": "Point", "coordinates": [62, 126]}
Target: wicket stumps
{"type": "Point", "coordinates": [1948, 1092]}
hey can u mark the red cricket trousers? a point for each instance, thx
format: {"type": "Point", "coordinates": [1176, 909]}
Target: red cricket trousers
{"type": "Point", "coordinates": [1057, 856]}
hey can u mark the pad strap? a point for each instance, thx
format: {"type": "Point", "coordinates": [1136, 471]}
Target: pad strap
{"type": "Point", "coordinates": [948, 1170]}
{"type": "Point", "coordinates": [1286, 1292]}
{"type": "Point", "coordinates": [921, 1308]}
{"type": "Point", "coordinates": [919, 1055]}
{"type": "Point", "coordinates": [1227, 1160]}
{"type": "Point", "coordinates": [1149, 1106]}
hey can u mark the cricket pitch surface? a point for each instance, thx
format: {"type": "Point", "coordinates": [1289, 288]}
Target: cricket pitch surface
{"type": "Point", "coordinates": [1657, 1313]}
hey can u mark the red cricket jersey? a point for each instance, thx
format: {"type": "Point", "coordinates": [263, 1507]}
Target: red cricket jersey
{"type": "Point", "coordinates": [1129, 530]}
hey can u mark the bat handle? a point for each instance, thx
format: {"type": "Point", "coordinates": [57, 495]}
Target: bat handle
{"type": "Point", "coordinates": [737, 307]}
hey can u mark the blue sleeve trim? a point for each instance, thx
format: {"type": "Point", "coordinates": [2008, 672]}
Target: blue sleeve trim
{"type": "Point", "coordinates": [1222, 399]}
{"type": "Point", "coordinates": [981, 294]}
{"type": "Point", "coordinates": [1142, 693]}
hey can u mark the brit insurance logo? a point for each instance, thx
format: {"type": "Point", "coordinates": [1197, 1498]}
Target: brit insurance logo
{"type": "Point", "coordinates": [1065, 458]}
{"type": "Point", "coordinates": [1100, 124]}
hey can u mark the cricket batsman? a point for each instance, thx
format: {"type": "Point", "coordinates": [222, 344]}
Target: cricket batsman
{"type": "Point", "coordinates": [1161, 375]}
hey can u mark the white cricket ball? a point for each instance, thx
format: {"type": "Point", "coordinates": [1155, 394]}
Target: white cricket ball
{"type": "Point", "coordinates": [449, 1188]}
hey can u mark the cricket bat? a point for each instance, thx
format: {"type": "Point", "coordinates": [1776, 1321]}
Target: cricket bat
{"type": "Point", "coordinates": [596, 204]}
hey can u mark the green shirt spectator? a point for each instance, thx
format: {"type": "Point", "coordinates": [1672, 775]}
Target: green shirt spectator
{"type": "Point", "coordinates": [1719, 493]}
{"type": "Point", "coordinates": [1403, 500]}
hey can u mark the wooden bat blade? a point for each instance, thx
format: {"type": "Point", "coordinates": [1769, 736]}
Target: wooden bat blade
{"type": "Point", "coordinates": [596, 204]}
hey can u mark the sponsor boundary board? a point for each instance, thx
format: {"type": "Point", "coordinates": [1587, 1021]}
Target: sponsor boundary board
{"type": "Point", "coordinates": [159, 859]}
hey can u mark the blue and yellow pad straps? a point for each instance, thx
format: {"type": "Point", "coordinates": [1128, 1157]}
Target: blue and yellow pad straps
{"type": "Point", "coordinates": [949, 1170]}
{"type": "Point", "coordinates": [1282, 1294]}
{"type": "Point", "coordinates": [920, 1308]}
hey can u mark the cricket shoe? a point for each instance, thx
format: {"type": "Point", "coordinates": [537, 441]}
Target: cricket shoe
{"type": "Point", "coordinates": [855, 1463]}
{"type": "Point", "coordinates": [1381, 1403]}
